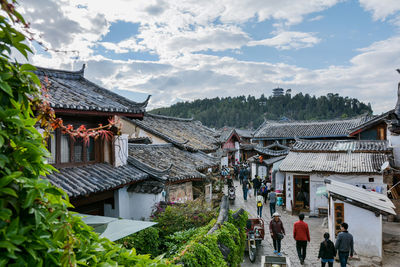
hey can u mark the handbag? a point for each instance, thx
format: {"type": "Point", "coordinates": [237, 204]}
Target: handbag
{"type": "Point", "coordinates": [280, 236]}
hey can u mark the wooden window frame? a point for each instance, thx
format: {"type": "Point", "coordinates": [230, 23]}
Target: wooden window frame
{"type": "Point", "coordinates": [98, 151]}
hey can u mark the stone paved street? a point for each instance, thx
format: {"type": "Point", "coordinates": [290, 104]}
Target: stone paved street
{"type": "Point", "coordinates": [288, 243]}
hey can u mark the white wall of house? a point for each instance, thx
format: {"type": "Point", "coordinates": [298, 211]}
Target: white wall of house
{"type": "Point", "coordinates": [317, 180]}
{"type": "Point", "coordinates": [367, 236]}
{"type": "Point", "coordinates": [120, 150]}
{"type": "Point", "coordinates": [224, 161]}
{"type": "Point", "coordinates": [394, 141]}
{"type": "Point", "coordinates": [135, 131]}
{"type": "Point", "coordinates": [262, 171]}
{"type": "Point", "coordinates": [253, 170]}
{"type": "Point", "coordinates": [129, 205]}
{"type": "Point", "coordinates": [279, 180]}
{"type": "Point", "coordinates": [142, 204]}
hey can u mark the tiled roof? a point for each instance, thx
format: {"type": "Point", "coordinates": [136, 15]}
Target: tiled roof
{"type": "Point", "coordinates": [308, 129]}
{"type": "Point", "coordinates": [226, 132]}
{"type": "Point", "coordinates": [333, 162]}
{"type": "Point", "coordinates": [360, 197]}
{"type": "Point", "coordinates": [376, 120]}
{"type": "Point", "coordinates": [342, 146]}
{"type": "Point", "coordinates": [70, 90]}
{"type": "Point", "coordinates": [270, 151]}
{"type": "Point", "coordinates": [85, 180]}
{"type": "Point", "coordinates": [184, 133]}
{"type": "Point", "coordinates": [147, 187]}
{"type": "Point", "coordinates": [170, 163]}
{"type": "Point", "coordinates": [273, 160]}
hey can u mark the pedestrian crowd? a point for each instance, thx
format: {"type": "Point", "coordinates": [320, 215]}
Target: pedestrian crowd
{"type": "Point", "coordinates": [263, 192]}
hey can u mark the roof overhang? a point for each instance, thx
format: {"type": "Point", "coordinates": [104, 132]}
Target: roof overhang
{"type": "Point", "coordinates": [97, 113]}
{"type": "Point", "coordinates": [114, 228]}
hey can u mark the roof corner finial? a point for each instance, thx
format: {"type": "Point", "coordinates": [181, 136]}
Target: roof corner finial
{"type": "Point", "coordinates": [82, 70]}
{"type": "Point", "coordinates": [395, 120]}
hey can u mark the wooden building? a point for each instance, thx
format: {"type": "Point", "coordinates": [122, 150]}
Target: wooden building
{"type": "Point", "coordinates": [91, 173]}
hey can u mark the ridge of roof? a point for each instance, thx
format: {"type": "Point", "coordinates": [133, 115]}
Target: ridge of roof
{"type": "Point", "coordinates": [169, 117]}
{"type": "Point", "coordinates": [79, 75]}
{"type": "Point", "coordinates": [355, 146]}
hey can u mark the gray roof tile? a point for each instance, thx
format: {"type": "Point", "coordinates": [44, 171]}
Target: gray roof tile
{"type": "Point", "coordinates": [169, 162]}
{"type": "Point", "coordinates": [70, 90]}
{"type": "Point", "coordinates": [308, 129]}
{"type": "Point", "coordinates": [85, 180]}
{"type": "Point", "coordinates": [185, 133]}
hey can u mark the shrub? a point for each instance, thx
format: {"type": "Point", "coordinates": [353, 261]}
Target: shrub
{"type": "Point", "coordinates": [146, 241]}
{"type": "Point", "coordinates": [204, 250]}
{"type": "Point", "coordinates": [36, 228]}
{"type": "Point", "coordinates": [180, 217]}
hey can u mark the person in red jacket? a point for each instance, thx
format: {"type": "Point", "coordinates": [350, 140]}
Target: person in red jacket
{"type": "Point", "coordinates": [302, 235]}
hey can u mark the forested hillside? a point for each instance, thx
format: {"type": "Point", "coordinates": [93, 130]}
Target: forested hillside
{"type": "Point", "coordinates": [249, 112]}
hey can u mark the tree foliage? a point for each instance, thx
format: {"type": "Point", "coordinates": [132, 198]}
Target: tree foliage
{"type": "Point", "coordinates": [36, 228]}
{"type": "Point", "coordinates": [250, 112]}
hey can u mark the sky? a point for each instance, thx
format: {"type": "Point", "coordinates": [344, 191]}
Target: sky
{"type": "Point", "coordinates": [182, 50]}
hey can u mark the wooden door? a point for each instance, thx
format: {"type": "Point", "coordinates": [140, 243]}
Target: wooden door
{"type": "Point", "coordinates": [338, 217]}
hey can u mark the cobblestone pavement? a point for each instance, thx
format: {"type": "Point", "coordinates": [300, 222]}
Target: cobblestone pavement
{"type": "Point", "coordinates": [288, 243]}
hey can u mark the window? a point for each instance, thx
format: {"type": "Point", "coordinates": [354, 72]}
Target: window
{"type": "Point", "coordinates": [67, 151]}
{"type": "Point", "coordinates": [78, 150]}
{"type": "Point", "coordinates": [90, 155]}
{"type": "Point", "coordinates": [371, 180]}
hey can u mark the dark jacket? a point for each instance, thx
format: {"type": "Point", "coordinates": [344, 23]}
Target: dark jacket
{"type": "Point", "coordinates": [275, 228]}
{"type": "Point", "coordinates": [327, 250]}
{"type": "Point", "coordinates": [344, 243]}
{"type": "Point", "coordinates": [256, 183]}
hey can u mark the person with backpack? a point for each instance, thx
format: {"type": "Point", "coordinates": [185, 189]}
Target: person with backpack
{"type": "Point", "coordinates": [327, 251]}
{"type": "Point", "coordinates": [245, 188]}
{"type": "Point", "coordinates": [259, 201]}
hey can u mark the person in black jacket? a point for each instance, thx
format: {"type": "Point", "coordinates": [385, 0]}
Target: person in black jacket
{"type": "Point", "coordinates": [327, 251]}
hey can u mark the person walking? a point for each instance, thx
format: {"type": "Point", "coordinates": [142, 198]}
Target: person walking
{"type": "Point", "coordinates": [241, 174]}
{"type": "Point", "coordinates": [272, 201]}
{"type": "Point", "coordinates": [277, 232]}
{"type": "Point", "coordinates": [344, 245]}
{"type": "Point", "coordinates": [245, 189]}
{"type": "Point", "coordinates": [327, 252]}
{"type": "Point", "coordinates": [256, 184]}
{"type": "Point", "coordinates": [301, 234]}
{"type": "Point", "coordinates": [259, 201]}
{"type": "Point", "coordinates": [264, 193]}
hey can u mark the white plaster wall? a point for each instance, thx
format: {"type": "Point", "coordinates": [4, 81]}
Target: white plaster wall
{"type": "Point", "coordinates": [367, 236]}
{"type": "Point", "coordinates": [279, 180]}
{"type": "Point", "coordinates": [289, 191]}
{"type": "Point", "coordinates": [253, 170]}
{"type": "Point", "coordinates": [394, 141]}
{"type": "Point", "coordinates": [365, 227]}
{"type": "Point", "coordinates": [317, 180]}
{"type": "Point", "coordinates": [262, 171]}
{"type": "Point", "coordinates": [141, 205]}
{"type": "Point", "coordinates": [135, 131]}
{"type": "Point", "coordinates": [224, 161]}
{"type": "Point", "coordinates": [120, 150]}
{"type": "Point", "coordinates": [124, 203]}
{"type": "Point", "coordinates": [109, 211]}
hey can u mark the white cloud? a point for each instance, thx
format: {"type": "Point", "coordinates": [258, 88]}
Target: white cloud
{"type": "Point", "coordinates": [174, 30]}
{"type": "Point", "coordinates": [316, 18]}
{"type": "Point", "coordinates": [289, 40]}
{"type": "Point", "coordinates": [381, 9]}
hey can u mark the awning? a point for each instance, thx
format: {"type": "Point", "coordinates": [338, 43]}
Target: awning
{"type": "Point", "coordinates": [114, 228]}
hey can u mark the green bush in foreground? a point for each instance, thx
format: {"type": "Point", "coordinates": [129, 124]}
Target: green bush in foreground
{"type": "Point", "coordinates": [146, 241]}
{"type": "Point", "coordinates": [36, 228]}
{"type": "Point", "coordinates": [204, 250]}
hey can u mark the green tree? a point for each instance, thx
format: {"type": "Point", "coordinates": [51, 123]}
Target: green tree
{"type": "Point", "coordinates": [36, 228]}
